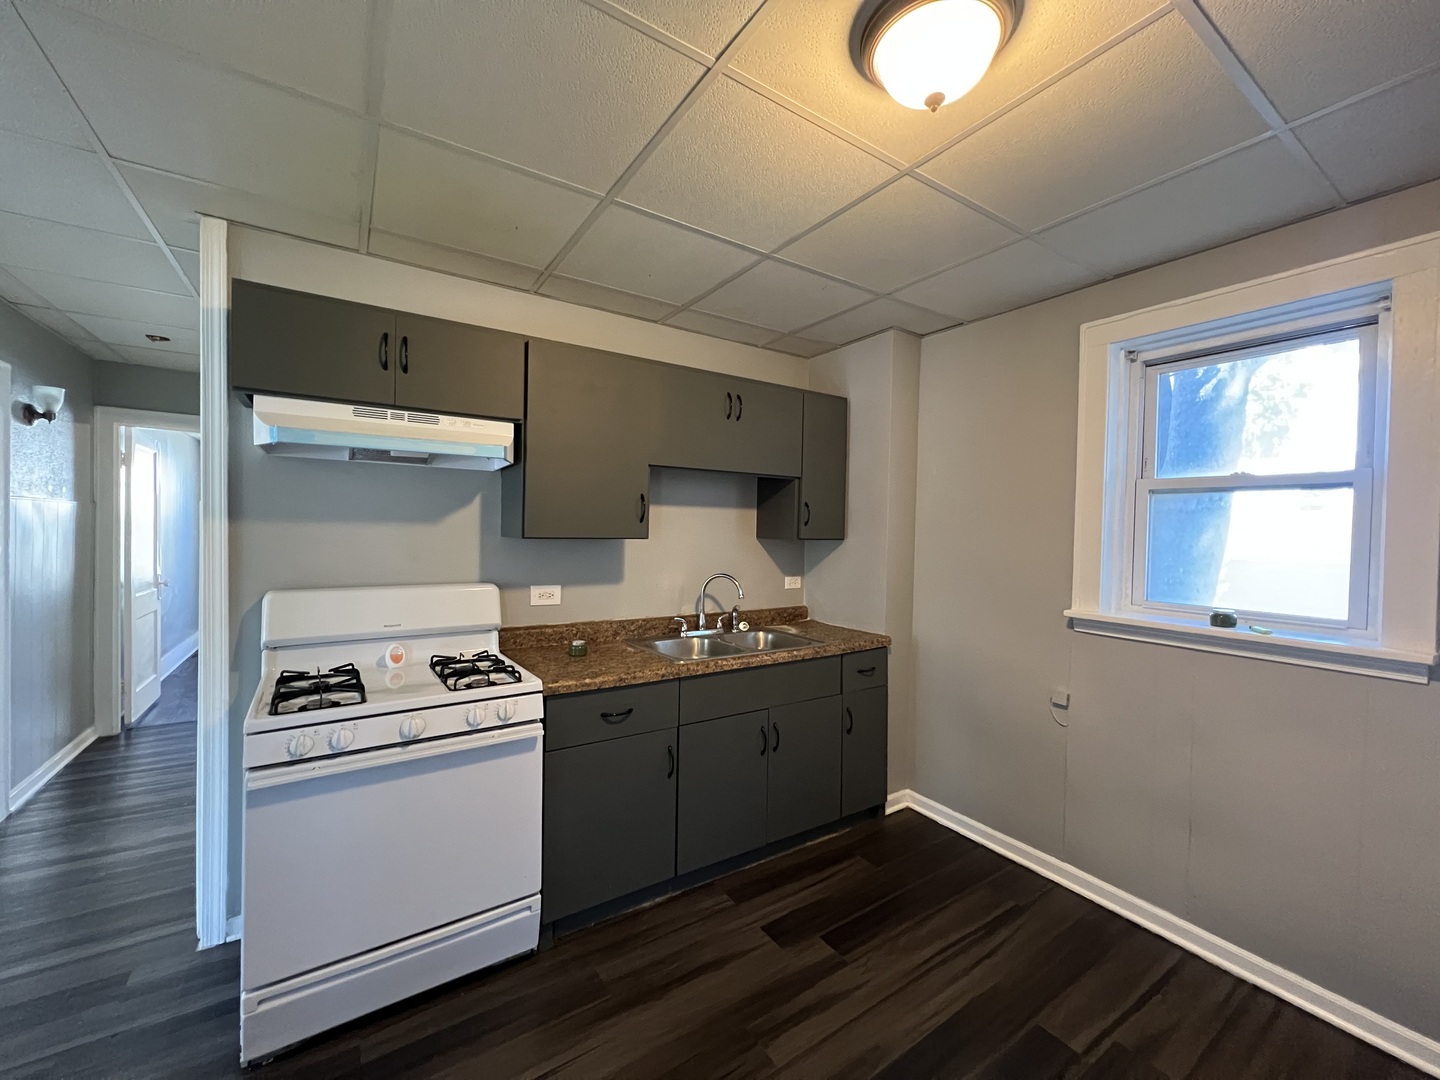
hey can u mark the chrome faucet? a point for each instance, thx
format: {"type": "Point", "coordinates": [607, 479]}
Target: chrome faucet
{"type": "Point", "coordinates": [720, 620]}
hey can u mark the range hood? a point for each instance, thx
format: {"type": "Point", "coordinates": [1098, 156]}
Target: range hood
{"type": "Point", "coordinates": [326, 429]}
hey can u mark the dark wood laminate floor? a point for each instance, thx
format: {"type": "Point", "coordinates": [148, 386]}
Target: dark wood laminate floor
{"type": "Point", "coordinates": [895, 950]}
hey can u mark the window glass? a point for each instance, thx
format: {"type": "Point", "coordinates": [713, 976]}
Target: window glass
{"type": "Point", "coordinates": [1291, 410]}
{"type": "Point", "coordinates": [1285, 551]}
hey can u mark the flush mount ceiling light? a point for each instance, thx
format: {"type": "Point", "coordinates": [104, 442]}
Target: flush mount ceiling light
{"type": "Point", "coordinates": [927, 53]}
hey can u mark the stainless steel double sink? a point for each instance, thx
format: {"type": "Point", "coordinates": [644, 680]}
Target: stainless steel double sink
{"type": "Point", "coordinates": [712, 646]}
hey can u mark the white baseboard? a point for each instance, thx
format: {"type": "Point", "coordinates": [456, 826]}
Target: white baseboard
{"type": "Point", "coordinates": [1405, 1044]}
{"type": "Point", "coordinates": [24, 791]}
{"type": "Point", "coordinates": [179, 654]}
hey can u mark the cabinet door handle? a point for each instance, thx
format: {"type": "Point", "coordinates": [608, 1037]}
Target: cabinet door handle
{"type": "Point", "coordinates": [670, 750]}
{"type": "Point", "coordinates": [405, 355]}
{"type": "Point", "coordinates": [643, 506]}
{"type": "Point", "coordinates": [739, 406]}
{"type": "Point", "coordinates": [617, 717]}
{"type": "Point", "coordinates": [729, 404]}
{"type": "Point", "coordinates": [849, 721]}
{"type": "Point", "coordinates": [806, 519]}
{"type": "Point", "coordinates": [865, 672]}
{"type": "Point", "coordinates": [385, 352]}
{"type": "Point", "coordinates": [775, 728]}
{"type": "Point", "coordinates": [764, 740]}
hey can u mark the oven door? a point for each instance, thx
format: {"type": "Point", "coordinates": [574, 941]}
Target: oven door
{"type": "Point", "coordinates": [348, 854]}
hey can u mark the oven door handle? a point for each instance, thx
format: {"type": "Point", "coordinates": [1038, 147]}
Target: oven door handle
{"type": "Point", "coordinates": [291, 773]}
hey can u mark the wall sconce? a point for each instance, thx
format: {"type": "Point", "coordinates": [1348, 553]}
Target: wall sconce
{"type": "Point", "coordinates": [48, 400]}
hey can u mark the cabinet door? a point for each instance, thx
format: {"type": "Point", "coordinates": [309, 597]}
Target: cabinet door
{"type": "Point", "coordinates": [863, 750]}
{"type": "Point", "coordinates": [725, 424]}
{"type": "Point", "coordinates": [609, 820]}
{"type": "Point", "coordinates": [451, 367]}
{"type": "Point", "coordinates": [768, 429]}
{"type": "Point", "coordinates": [291, 343]}
{"type": "Point", "coordinates": [804, 777]}
{"type": "Point", "coordinates": [822, 481]}
{"type": "Point", "coordinates": [584, 468]}
{"type": "Point", "coordinates": [722, 789]}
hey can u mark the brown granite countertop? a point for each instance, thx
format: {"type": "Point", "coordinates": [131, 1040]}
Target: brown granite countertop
{"type": "Point", "coordinates": [612, 661]}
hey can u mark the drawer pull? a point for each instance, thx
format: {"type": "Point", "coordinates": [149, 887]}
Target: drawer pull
{"type": "Point", "coordinates": [617, 717]}
{"type": "Point", "coordinates": [865, 671]}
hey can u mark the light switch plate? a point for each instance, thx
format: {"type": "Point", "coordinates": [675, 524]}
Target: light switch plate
{"type": "Point", "coordinates": [544, 595]}
{"type": "Point", "coordinates": [792, 583]}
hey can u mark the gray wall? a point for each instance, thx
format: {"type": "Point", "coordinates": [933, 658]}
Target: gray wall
{"type": "Point", "coordinates": [51, 548]}
{"type": "Point", "coordinates": [179, 468]}
{"type": "Point", "coordinates": [1293, 812]}
{"type": "Point", "coordinates": [134, 386]}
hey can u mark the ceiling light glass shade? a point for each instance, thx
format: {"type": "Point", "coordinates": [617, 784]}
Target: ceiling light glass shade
{"type": "Point", "coordinates": [927, 53]}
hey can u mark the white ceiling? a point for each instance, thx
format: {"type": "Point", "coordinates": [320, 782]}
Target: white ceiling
{"type": "Point", "coordinates": [718, 166]}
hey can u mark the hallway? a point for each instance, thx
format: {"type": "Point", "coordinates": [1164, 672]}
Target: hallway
{"type": "Point", "coordinates": [99, 976]}
{"type": "Point", "coordinates": [177, 697]}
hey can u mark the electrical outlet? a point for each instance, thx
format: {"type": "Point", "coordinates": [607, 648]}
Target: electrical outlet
{"type": "Point", "coordinates": [544, 595]}
{"type": "Point", "coordinates": [792, 583]}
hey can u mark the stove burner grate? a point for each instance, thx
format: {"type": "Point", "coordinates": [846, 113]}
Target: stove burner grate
{"type": "Point", "coordinates": [306, 691]}
{"type": "Point", "coordinates": [462, 672]}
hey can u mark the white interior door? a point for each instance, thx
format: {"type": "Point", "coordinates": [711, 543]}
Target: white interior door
{"type": "Point", "coordinates": [142, 625]}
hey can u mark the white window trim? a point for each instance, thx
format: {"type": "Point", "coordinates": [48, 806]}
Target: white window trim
{"type": "Point", "coordinates": [1406, 505]}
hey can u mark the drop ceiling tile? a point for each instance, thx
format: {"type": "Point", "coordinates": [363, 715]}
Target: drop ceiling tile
{"type": "Point", "coordinates": [878, 315]}
{"type": "Point", "coordinates": [61, 183]}
{"type": "Point", "coordinates": [1153, 104]}
{"type": "Point", "coordinates": [15, 291]}
{"type": "Point", "coordinates": [153, 107]}
{"type": "Point", "coordinates": [80, 296]}
{"type": "Point", "coordinates": [35, 100]}
{"type": "Point", "coordinates": [799, 346]}
{"type": "Point", "coordinates": [174, 204]}
{"type": "Point", "coordinates": [708, 27]}
{"type": "Point", "coordinates": [1307, 54]}
{"type": "Point", "coordinates": [190, 263]}
{"type": "Point", "coordinates": [553, 85]}
{"type": "Point", "coordinates": [575, 291]}
{"type": "Point", "coordinates": [628, 250]}
{"type": "Point", "coordinates": [740, 166]}
{"type": "Point", "coordinates": [715, 326]}
{"type": "Point", "coordinates": [158, 358]}
{"type": "Point", "coordinates": [467, 264]}
{"type": "Point", "coordinates": [802, 49]}
{"type": "Point", "coordinates": [59, 323]}
{"type": "Point", "coordinates": [780, 296]}
{"type": "Point", "coordinates": [453, 198]}
{"type": "Point", "coordinates": [1242, 193]}
{"type": "Point", "coordinates": [1009, 278]}
{"type": "Point", "coordinates": [897, 235]}
{"type": "Point", "coordinates": [127, 332]}
{"type": "Point", "coordinates": [33, 244]}
{"type": "Point", "coordinates": [272, 41]}
{"type": "Point", "coordinates": [1387, 141]}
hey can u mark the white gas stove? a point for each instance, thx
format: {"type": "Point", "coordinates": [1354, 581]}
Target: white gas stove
{"type": "Point", "coordinates": [392, 804]}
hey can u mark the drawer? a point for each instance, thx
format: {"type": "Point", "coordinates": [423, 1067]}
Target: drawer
{"type": "Point", "coordinates": [728, 693]}
{"type": "Point", "coordinates": [865, 669]}
{"type": "Point", "coordinates": [577, 719]}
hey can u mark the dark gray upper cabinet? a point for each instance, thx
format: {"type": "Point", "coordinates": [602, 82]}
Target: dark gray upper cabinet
{"type": "Point", "coordinates": [292, 343]}
{"type": "Point", "coordinates": [804, 767]}
{"type": "Point", "coordinates": [722, 789]}
{"type": "Point", "coordinates": [301, 345]}
{"type": "Point", "coordinates": [718, 422]}
{"type": "Point", "coordinates": [452, 367]}
{"type": "Point", "coordinates": [864, 740]}
{"type": "Point", "coordinates": [609, 820]}
{"type": "Point", "coordinates": [812, 507]}
{"type": "Point", "coordinates": [584, 464]}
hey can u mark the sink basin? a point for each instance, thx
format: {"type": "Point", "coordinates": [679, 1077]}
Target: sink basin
{"type": "Point", "coordinates": [691, 648]}
{"type": "Point", "coordinates": [767, 640]}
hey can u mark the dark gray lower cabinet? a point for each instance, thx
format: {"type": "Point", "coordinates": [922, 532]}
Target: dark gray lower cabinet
{"type": "Point", "coordinates": [722, 789]}
{"type": "Point", "coordinates": [863, 750]}
{"type": "Point", "coordinates": [609, 820]}
{"type": "Point", "coordinates": [804, 776]}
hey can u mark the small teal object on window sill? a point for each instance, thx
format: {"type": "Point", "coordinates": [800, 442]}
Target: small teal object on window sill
{"type": "Point", "coordinates": [1226, 620]}
{"type": "Point", "coordinates": [578, 648]}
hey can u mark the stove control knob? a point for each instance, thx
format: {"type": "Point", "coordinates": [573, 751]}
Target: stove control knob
{"type": "Point", "coordinates": [476, 715]}
{"type": "Point", "coordinates": [505, 710]}
{"type": "Point", "coordinates": [412, 727]}
{"type": "Point", "coordinates": [341, 738]}
{"type": "Point", "coordinates": [299, 745]}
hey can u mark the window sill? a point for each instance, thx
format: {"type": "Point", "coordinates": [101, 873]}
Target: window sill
{"type": "Point", "coordinates": [1371, 660]}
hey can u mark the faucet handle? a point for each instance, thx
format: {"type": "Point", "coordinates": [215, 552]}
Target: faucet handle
{"type": "Point", "coordinates": [684, 626]}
